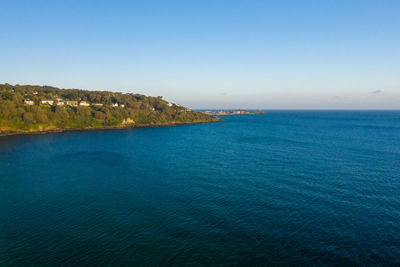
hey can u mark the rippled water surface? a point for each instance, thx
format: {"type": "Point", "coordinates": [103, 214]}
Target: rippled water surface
{"type": "Point", "coordinates": [284, 188]}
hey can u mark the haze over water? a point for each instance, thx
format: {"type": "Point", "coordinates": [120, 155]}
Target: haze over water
{"type": "Point", "coordinates": [289, 187]}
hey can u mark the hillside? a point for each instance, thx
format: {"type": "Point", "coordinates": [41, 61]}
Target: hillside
{"type": "Point", "coordinates": [29, 109]}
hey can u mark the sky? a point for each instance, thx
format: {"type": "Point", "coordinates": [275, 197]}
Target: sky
{"type": "Point", "coordinates": [330, 54]}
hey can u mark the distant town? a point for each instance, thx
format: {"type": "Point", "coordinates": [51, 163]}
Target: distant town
{"type": "Point", "coordinates": [233, 112]}
{"type": "Point", "coordinates": [72, 103]}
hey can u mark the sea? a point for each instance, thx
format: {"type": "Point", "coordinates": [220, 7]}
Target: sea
{"type": "Point", "coordinates": [288, 188]}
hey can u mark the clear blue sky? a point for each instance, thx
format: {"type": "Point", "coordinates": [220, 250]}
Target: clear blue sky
{"type": "Point", "coordinates": [211, 54]}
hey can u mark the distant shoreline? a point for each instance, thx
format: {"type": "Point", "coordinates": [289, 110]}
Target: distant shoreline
{"type": "Point", "coordinates": [233, 112]}
{"type": "Point", "coordinates": [125, 127]}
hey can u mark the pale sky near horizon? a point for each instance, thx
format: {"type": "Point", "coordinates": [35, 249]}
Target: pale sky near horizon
{"type": "Point", "coordinates": [341, 54]}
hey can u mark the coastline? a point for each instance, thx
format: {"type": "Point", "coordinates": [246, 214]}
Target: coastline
{"type": "Point", "coordinates": [121, 127]}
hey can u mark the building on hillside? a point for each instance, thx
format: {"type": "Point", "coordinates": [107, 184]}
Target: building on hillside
{"type": "Point", "coordinates": [72, 103]}
{"type": "Point", "coordinates": [84, 103]}
{"type": "Point", "coordinates": [98, 104]}
{"type": "Point", "coordinates": [114, 105]}
{"type": "Point", "coordinates": [47, 102]}
{"type": "Point", "coordinates": [122, 105]}
{"type": "Point", "coordinates": [29, 102]}
{"type": "Point", "coordinates": [60, 102]}
{"type": "Point", "coordinates": [170, 104]}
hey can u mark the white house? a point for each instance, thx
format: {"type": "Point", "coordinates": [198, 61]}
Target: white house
{"type": "Point", "coordinates": [114, 104]}
{"type": "Point", "coordinates": [72, 103]}
{"type": "Point", "coordinates": [60, 102]}
{"type": "Point", "coordinates": [29, 102]}
{"type": "Point", "coordinates": [84, 103]}
{"type": "Point", "coordinates": [122, 105]}
{"type": "Point", "coordinates": [98, 104]}
{"type": "Point", "coordinates": [47, 102]}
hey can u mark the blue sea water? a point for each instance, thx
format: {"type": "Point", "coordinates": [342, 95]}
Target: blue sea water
{"type": "Point", "coordinates": [286, 188]}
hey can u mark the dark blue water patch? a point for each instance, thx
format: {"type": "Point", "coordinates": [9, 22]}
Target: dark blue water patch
{"type": "Point", "coordinates": [286, 188]}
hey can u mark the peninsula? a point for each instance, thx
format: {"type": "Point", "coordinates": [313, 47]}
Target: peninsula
{"type": "Point", "coordinates": [26, 109]}
{"type": "Point", "coordinates": [233, 112]}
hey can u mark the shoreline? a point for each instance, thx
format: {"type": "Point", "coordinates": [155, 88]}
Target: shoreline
{"type": "Point", "coordinates": [122, 127]}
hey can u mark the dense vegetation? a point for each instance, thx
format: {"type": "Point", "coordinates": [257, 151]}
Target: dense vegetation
{"type": "Point", "coordinates": [31, 108]}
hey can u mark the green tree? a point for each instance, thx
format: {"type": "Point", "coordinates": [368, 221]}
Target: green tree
{"type": "Point", "coordinates": [41, 116]}
{"type": "Point", "coordinates": [28, 118]}
{"type": "Point", "coordinates": [100, 115]}
{"type": "Point", "coordinates": [61, 114]}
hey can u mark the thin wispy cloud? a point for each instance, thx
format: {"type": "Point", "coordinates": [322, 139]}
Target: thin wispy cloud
{"type": "Point", "coordinates": [376, 92]}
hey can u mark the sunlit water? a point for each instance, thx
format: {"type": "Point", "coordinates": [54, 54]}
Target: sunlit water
{"type": "Point", "coordinates": [284, 188]}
